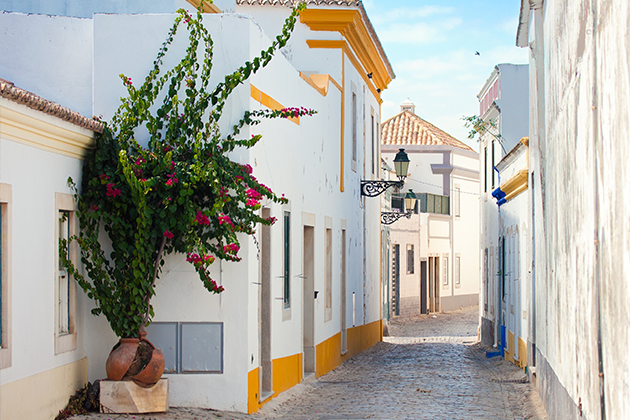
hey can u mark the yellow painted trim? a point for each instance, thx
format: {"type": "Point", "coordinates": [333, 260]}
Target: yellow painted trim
{"type": "Point", "coordinates": [525, 141]}
{"type": "Point", "coordinates": [207, 7]}
{"type": "Point", "coordinates": [253, 389]}
{"type": "Point", "coordinates": [328, 352]}
{"type": "Point", "coordinates": [320, 82]}
{"type": "Point", "coordinates": [522, 353]}
{"type": "Point", "coordinates": [350, 24]}
{"type": "Point", "coordinates": [41, 396]}
{"type": "Point", "coordinates": [516, 184]}
{"type": "Point", "coordinates": [342, 139]}
{"type": "Point", "coordinates": [343, 45]}
{"type": "Point", "coordinates": [509, 356]}
{"type": "Point", "coordinates": [269, 102]}
{"type": "Point", "coordinates": [22, 125]}
{"type": "Point", "coordinates": [287, 373]}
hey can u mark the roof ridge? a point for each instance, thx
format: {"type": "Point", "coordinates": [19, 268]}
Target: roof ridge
{"type": "Point", "coordinates": [412, 130]}
{"type": "Point", "coordinates": [18, 95]}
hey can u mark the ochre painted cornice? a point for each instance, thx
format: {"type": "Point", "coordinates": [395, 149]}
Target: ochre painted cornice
{"type": "Point", "coordinates": [321, 82]}
{"type": "Point", "coordinates": [22, 125]}
{"type": "Point", "coordinates": [343, 45]}
{"type": "Point", "coordinates": [350, 24]}
{"type": "Point", "coordinates": [207, 7]}
{"type": "Point", "coordinates": [516, 184]}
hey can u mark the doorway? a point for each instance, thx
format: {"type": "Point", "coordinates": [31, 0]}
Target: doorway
{"type": "Point", "coordinates": [308, 316]}
{"type": "Point", "coordinates": [423, 287]}
{"type": "Point", "coordinates": [266, 370]}
{"type": "Point", "coordinates": [434, 284]}
{"type": "Point", "coordinates": [396, 280]}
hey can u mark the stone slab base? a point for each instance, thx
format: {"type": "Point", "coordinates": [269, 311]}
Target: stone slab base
{"type": "Point", "coordinates": [127, 397]}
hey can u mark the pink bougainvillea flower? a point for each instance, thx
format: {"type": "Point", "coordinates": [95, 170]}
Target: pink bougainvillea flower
{"type": "Point", "coordinates": [231, 249]}
{"type": "Point", "coordinates": [202, 219]}
{"type": "Point", "coordinates": [169, 182]}
{"type": "Point", "coordinates": [93, 207]}
{"type": "Point", "coordinates": [111, 191]}
{"type": "Point", "coordinates": [252, 203]}
{"type": "Point", "coordinates": [248, 168]}
{"type": "Point", "coordinates": [223, 218]}
{"type": "Point", "coordinates": [168, 234]}
{"type": "Point", "coordinates": [252, 193]}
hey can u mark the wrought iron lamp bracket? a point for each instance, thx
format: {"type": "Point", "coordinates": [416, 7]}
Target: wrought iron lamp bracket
{"type": "Point", "coordinates": [376, 188]}
{"type": "Point", "coordinates": [387, 218]}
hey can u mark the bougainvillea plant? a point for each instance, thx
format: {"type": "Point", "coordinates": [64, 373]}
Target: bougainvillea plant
{"type": "Point", "coordinates": [180, 192]}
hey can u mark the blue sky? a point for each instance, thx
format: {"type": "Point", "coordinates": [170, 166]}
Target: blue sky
{"type": "Point", "coordinates": [431, 45]}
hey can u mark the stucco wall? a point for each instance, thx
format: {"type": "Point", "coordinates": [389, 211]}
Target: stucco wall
{"type": "Point", "coordinates": [581, 214]}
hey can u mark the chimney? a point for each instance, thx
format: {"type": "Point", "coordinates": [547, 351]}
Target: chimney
{"type": "Point", "coordinates": [408, 106]}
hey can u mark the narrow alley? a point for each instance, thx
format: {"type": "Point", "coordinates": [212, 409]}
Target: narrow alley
{"type": "Point", "coordinates": [430, 367]}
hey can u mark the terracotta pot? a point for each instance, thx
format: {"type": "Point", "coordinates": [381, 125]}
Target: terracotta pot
{"type": "Point", "coordinates": [126, 363]}
{"type": "Point", "coordinates": [120, 358]}
{"type": "Point", "coordinates": [153, 370]}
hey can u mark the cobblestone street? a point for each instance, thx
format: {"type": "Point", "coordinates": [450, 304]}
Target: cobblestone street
{"type": "Point", "coordinates": [430, 367]}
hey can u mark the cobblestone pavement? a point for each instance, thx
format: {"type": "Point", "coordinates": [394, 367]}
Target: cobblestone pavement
{"type": "Point", "coordinates": [430, 367]}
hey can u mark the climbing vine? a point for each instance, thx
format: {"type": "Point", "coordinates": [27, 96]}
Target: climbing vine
{"type": "Point", "coordinates": [179, 193]}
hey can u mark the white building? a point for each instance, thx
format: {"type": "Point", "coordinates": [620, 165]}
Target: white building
{"type": "Point", "coordinates": [434, 258]}
{"type": "Point", "coordinates": [502, 101]}
{"type": "Point", "coordinates": [579, 287]}
{"type": "Point", "coordinates": [43, 352]}
{"type": "Point", "coordinates": [511, 287]}
{"type": "Point", "coordinates": [263, 335]}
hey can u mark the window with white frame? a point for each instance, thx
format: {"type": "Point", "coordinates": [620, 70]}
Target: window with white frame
{"type": "Point", "coordinates": [445, 261]}
{"type": "Point", "coordinates": [354, 131]}
{"type": "Point", "coordinates": [410, 259]}
{"type": "Point", "coordinates": [457, 273]}
{"type": "Point", "coordinates": [5, 275]}
{"type": "Point", "coordinates": [456, 201]}
{"type": "Point", "coordinates": [65, 287]}
{"type": "Point", "coordinates": [287, 260]}
{"type": "Point", "coordinates": [328, 276]}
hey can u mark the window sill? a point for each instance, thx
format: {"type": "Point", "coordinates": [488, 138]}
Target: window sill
{"type": "Point", "coordinates": [65, 343]}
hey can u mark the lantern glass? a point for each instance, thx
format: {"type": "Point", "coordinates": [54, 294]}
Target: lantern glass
{"type": "Point", "coordinates": [410, 200]}
{"type": "Point", "coordinates": [401, 164]}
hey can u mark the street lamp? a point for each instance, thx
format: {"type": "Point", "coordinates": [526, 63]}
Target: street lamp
{"type": "Point", "coordinates": [375, 188]}
{"type": "Point", "coordinates": [387, 218]}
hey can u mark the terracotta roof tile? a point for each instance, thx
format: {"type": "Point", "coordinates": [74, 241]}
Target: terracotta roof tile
{"type": "Point", "coordinates": [24, 97]}
{"type": "Point", "coordinates": [407, 128]}
{"type": "Point", "coordinates": [293, 3]}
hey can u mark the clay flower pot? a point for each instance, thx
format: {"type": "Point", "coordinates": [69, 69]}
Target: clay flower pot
{"type": "Point", "coordinates": [137, 360]}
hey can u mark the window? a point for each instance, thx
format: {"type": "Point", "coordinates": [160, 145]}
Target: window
{"type": "Point", "coordinates": [456, 201]}
{"type": "Point", "coordinates": [485, 169]}
{"type": "Point", "coordinates": [65, 289]}
{"type": "Point", "coordinates": [287, 260]}
{"type": "Point", "coordinates": [457, 272]}
{"type": "Point", "coordinates": [410, 259]}
{"type": "Point", "coordinates": [374, 154]}
{"type": "Point", "coordinates": [445, 260]}
{"type": "Point", "coordinates": [5, 276]}
{"type": "Point", "coordinates": [492, 169]}
{"type": "Point", "coordinates": [354, 131]}
{"type": "Point", "coordinates": [328, 276]}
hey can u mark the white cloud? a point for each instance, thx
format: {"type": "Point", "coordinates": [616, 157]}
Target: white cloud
{"type": "Point", "coordinates": [420, 32]}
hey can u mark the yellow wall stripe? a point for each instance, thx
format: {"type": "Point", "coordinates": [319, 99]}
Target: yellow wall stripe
{"type": "Point", "coordinates": [269, 102]}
